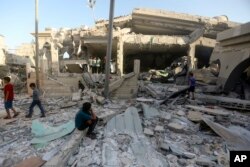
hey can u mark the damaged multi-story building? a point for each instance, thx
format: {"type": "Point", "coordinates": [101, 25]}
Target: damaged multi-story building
{"type": "Point", "coordinates": [155, 37]}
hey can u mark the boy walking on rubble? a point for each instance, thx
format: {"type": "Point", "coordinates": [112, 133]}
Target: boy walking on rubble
{"type": "Point", "coordinates": [8, 98]}
{"type": "Point", "coordinates": [36, 101]}
{"type": "Point", "coordinates": [191, 81]}
{"type": "Point", "coordinates": [86, 118]}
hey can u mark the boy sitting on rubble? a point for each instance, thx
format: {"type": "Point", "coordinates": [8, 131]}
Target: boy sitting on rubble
{"type": "Point", "coordinates": [191, 81]}
{"type": "Point", "coordinates": [86, 118]}
{"type": "Point", "coordinates": [8, 98]}
{"type": "Point", "coordinates": [36, 101]}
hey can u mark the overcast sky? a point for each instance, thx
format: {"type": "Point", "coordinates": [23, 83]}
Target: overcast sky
{"type": "Point", "coordinates": [17, 16]}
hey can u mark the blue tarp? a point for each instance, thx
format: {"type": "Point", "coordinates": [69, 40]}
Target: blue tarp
{"type": "Point", "coordinates": [44, 133]}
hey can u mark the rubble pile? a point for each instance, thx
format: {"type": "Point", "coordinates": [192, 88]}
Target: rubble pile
{"type": "Point", "coordinates": [174, 131]}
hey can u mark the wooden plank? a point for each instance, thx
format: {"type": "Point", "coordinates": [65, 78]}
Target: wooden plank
{"type": "Point", "coordinates": [31, 162]}
{"type": "Point", "coordinates": [208, 110]}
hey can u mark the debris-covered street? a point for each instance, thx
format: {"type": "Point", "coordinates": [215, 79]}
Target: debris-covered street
{"type": "Point", "coordinates": [132, 132]}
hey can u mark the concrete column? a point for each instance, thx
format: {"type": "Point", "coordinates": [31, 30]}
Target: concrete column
{"type": "Point", "coordinates": [191, 54]}
{"type": "Point", "coordinates": [55, 60]}
{"type": "Point", "coordinates": [136, 66]}
{"type": "Point", "coordinates": [120, 56]}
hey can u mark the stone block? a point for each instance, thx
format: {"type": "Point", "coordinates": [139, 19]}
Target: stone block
{"type": "Point", "coordinates": [100, 100]}
{"type": "Point", "coordinates": [194, 116]}
{"type": "Point", "coordinates": [148, 132]}
{"type": "Point", "coordinates": [189, 155]}
{"type": "Point", "coordinates": [181, 113]}
{"type": "Point", "coordinates": [176, 127]}
{"type": "Point", "coordinates": [165, 146]}
{"type": "Point", "coordinates": [76, 96]}
{"type": "Point", "coordinates": [159, 129]}
{"type": "Point", "coordinates": [205, 162]}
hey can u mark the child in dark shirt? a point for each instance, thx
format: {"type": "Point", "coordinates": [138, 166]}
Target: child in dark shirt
{"type": "Point", "coordinates": [36, 101]}
{"type": "Point", "coordinates": [192, 83]}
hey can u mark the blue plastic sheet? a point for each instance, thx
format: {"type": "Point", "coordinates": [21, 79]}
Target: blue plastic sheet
{"type": "Point", "coordinates": [44, 133]}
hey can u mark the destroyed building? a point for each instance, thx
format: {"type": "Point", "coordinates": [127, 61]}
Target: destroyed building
{"type": "Point", "coordinates": [155, 37]}
{"type": "Point", "coordinates": [2, 50]}
{"type": "Point", "coordinates": [145, 123]}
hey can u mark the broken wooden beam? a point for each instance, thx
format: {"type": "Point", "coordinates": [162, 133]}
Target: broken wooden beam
{"type": "Point", "coordinates": [208, 110]}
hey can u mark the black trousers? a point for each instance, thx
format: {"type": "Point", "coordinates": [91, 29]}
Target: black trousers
{"type": "Point", "coordinates": [91, 126]}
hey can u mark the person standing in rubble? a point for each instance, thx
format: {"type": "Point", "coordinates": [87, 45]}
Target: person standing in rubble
{"type": "Point", "coordinates": [8, 98]}
{"type": "Point", "coordinates": [36, 101]}
{"type": "Point", "coordinates": [86, 118]}
{"type": "Point", "coordinates": [94, 65]}
{"type": "Point", "coordinates": [192, 83]}
{"type": "Point", "coordinates": [81, 86]}
{"type": "Point", "coordinates": [98, 64]}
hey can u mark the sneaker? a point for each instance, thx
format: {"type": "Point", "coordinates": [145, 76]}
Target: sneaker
{"type": "Point", "coordinates": [7, 117]}
{"type": "Point", "coordinates": [15, 115]}
{"type": "Point", "coordinates": [27, 116]}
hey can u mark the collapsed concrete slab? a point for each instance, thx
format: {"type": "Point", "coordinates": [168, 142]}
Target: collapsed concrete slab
{"type": "Point", "coordinates": [237, 137]}
{"type": "Point", "coordinates": [129, 122]}
{"type": "Point", "coordinates": [149, 112]}
{"type": "Point", "coordinates": [225, 101]}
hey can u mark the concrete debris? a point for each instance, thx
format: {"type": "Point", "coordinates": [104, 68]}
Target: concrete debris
{"type": "Point", "coordinates": [149, 112]}
{"type": "Point", "coordinates": [129, 122]}
{"type": "Point", "coordinates": [148, 132]}
{"type": "Point", "coordinates": [225, 102]}
{"type": "Point", "coordinates": [195, 116]}
{"type": "Point", "coordinates": [176, 127]}
{"type": "Point", "coordinates": [208, 110]}
{"type": "Point", "coordinates": [76, 96]}
{"type": "Point", "coordinates": [100, 100]}
{"type": "Point", "coordinates": [237, 137]}
{"type": "Point", "coordinates": [159, 129]}
{"type": "Point", "coordinates": [205, 162]}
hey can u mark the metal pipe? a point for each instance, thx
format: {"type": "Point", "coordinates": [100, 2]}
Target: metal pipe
{"type": "Point", "coordinates": [109, 49]}
{"type": "Point", "coordinates": [37, 44]}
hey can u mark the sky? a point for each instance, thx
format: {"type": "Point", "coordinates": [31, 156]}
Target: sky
{"type": "Point", "coordinates": [17, 17]}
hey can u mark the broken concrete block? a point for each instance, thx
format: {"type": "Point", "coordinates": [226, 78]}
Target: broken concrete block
{"type": "Point", "coordinates": [147, 123]}
{"type": "Point", "coordinates": [100, 100]}
{"type": "Point", "coordinates": [182, 162]}
{"type": "Point", "coordinates": [164, 146]}
{"type": "Point", "coordinates": [166, 116]}
{"type": "Point", "coordinates": [172, 158]}
{"type": "Point", "coordinates": [189, 155]}
{"type": "Point", "coordinates": [194, 116]}
{"type": "Point", "coordinates": [76, 96]}
{"type": "Point", "coordinates": [208, 110]}
{"type": "Point", "coordinates": [148, 132]}
{"type": "Point", "coordinates": [205, 162]}
{"type": "Point", "coordinates": [223, 159]}
{"type": "Point", "coordinates": [176, 127]}
{"type": "Point", "coordinates": [149, 111]}
{"type": "Point", "coordinates": [159, 129]}
{"type": "Point", "coordinates": [181, 113]}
